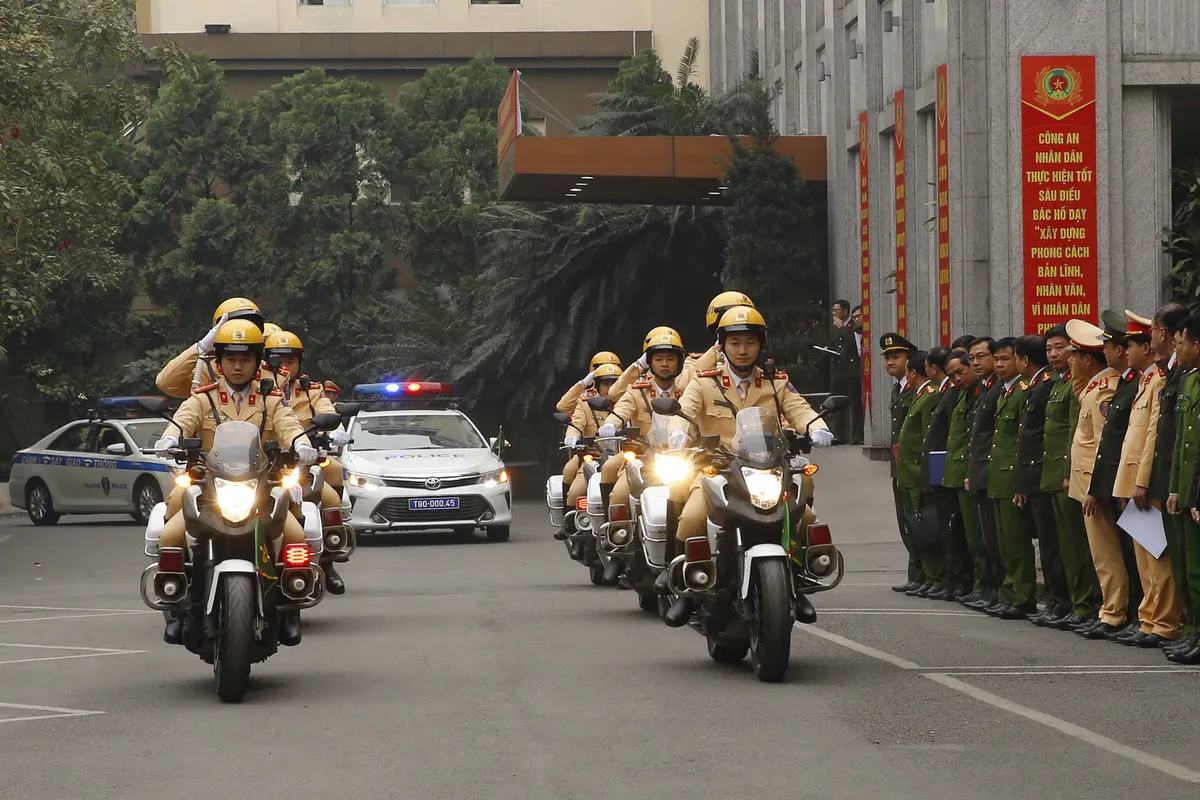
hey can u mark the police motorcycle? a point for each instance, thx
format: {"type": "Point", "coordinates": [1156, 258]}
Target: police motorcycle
{"type": "Point", "coordinates": [233, 581]}
{"type": "Point", "coordinates": [575, 525]}
{"type": "Point", "coordinates": [764, 550]}
{"type": "Point", "coordinates": [339, 540]}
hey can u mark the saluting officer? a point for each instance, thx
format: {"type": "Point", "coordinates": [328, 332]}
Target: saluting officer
{"type": "Point", "coordinates": [909, 456]}
{"type": "Point", "coordinates": [1062, 415]}
{"type": "Point", "coordinates": [1014, 523]}
{"type": "Point", "coordinates": [959, 572]}
{"type": "Point", "coordinates": [571, 397]}
{"type": "Point", "coordinates": [177, 377]}
{"type": "Point", "coordinates": [958, 447]}
{"type": "Point", "coordinates": [983, 432]}
{"type": "Point", "coordinates": [895, 350]}
{"type": "Point", "coordinates": [1033, 365]}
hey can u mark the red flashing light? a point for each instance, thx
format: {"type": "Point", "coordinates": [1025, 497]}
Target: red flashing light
{"type": "Point", "coordinates": [296, 555]}
{"type": "Point", "coordinates": [819, 534]}
{"type": "Point", "coordinates": [170, 559]}
{"type": "Point", "coordinates": [414, 388]}
{"type": "Point", "coordinates": [697, 549]}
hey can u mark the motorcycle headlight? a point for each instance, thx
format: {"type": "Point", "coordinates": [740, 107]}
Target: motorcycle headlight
{"type": "Point", "coordinates": [290, 479]}
{"type": "Point", "coordinates": [491, 480]}
{"type": "Point", "coordinates": [363, 481]}
{"type": "Point", "coordinates": [236, 498]}
{"type": "Point", "coordinates": [765, 486]}
{"type": "Point", "coordinates": [671, 469]}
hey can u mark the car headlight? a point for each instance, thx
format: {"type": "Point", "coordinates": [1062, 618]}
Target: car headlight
{"type": "Point", "coordinates": [491, 480]}
{"type": "Point", "coordinates": [672, 469]}
{"type": "Point", "coordinates": [765, 486]}
{"type": "Point", "coordinates": [364, 481]}
{"type": "Point", "coordinates": [236, 498]}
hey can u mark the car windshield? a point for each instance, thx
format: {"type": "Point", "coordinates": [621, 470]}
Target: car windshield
{"type": "Point", "coordinates": [236, 452]}
{"type": "Point", "coordinates": [758, 437]}
{"type": "Point", "coordinates": [145, 434]}
{"type": "Point", "coordinates": [415, 432]}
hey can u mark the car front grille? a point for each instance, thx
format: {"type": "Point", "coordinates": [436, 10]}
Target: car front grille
{"type": "Point", "coordinates": [419, 483]}
{"type": "Point", "coordinates": [395, 509]}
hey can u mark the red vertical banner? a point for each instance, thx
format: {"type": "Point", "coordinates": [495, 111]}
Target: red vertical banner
{"type": "Point", "coordinates": [943, 204]}
{"type": "Point", "coordinates": [901, 244]}
{"type": "Point", "coordinates": [1058, 177]}
{"type": "Point", "coordinates": [864, 201]}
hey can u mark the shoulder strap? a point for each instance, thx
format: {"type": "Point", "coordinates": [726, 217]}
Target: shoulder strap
{"type": "Point", "coordinates": [213, 406]}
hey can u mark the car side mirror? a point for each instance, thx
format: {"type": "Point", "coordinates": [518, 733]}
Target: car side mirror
{"type": "Point", "coordinates": [667, 405]}
{"type": "Point", "coordinates": [600, 403]}
{"type": "Point", "coordinates": [118, 449]}
{"type": "Point", "coordinates": [835, 402]}
{"type": "Point", "coordinates": [326, 421]}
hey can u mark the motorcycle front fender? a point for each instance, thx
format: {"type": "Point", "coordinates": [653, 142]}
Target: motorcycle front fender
{"type": "Point", "coordinates": [759, 551]}
{"type": "Point", "coordinates": [233, 566]}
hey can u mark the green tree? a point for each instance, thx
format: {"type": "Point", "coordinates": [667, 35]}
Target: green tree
{"type": "Point", "coordinates": [1183, 241]}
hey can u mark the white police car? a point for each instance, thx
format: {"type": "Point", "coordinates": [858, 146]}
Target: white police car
{"type": "Point", "coordinates": [93, 466]}
{"type": "Point", "coordinates": [418, 463]}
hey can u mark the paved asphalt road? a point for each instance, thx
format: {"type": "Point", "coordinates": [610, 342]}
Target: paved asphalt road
{"type": "Point", "coordinates": [469, 670]}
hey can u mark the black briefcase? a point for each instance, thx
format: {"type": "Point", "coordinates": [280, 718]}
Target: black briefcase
{"type": "Point", "coordinates": [924, 529]}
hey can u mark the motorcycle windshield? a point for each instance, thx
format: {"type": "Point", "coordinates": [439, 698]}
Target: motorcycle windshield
{"type": "Point", "coordinates": [660, 430]}
{"type": "Point", "coordinates": [236, 451]}
{"type": "Point", "coordinates": [758, 437]}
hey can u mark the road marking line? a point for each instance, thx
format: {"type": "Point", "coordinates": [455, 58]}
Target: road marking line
{"type": "Point", "coordinates": [53, 712]}
{"type": "Point", "coordinates": [67, 658]}
{"type": "Point", "coordinates": [900, 610]}
{"type": "Point", "coordinates": [77, 616]}
{"type": "Point", "coordinates": [1075, 731]}
{"type": "Point", "coordinates": [891, 613]}
{"type": "Point", "coordinates": [5, 538]}
{"type": "Point", "coordinates": [73, 608]}
{"type": "Point", "coordinates": [1070, 729]}
{"type": "Point", "coordinates": [64, 647]}
{"type": "Point", "coordinates": [1057, 666]}
{"type": "Point", "coordinates": [1133, 671]}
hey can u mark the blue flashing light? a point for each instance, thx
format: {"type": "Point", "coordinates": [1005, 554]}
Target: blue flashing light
{"type": "Point", "coordinates": [392, 387]}
{"type": "Point", "coordinates": [124, 402]}
{"type": "Point", "coordinates": [409, 389]}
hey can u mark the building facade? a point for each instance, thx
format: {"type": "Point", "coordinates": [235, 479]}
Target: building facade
{"type": "Point", "coordinates": [1018, 153]}
{"type": "Point", "coordinates": [566, 49]}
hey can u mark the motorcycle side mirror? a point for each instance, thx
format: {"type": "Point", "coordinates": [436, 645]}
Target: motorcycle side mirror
{"type": "Point", "coordinates": [347, 409]}
{"type": "Point", "coordinates": [155, 405]}
{"type": "Point", "coordinates": [667, 405]}
{"type": "Point", "coordinates": [561, 418]}
{"type": "Point", "coordinates": [326, 421]}
{"type": "Point", "coordinates": [836, 402]}
{"type": "Point", "coordinates": [600, 403]}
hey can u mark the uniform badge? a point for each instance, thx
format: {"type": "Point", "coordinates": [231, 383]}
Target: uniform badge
{"type": "Point", "coordinates": [1104, 406]}
{"type": "Point", "coordinates": [725, 381]}
{"type": "Point", "coordinates": [758, 382]}
{"type": "Point", "coordinates": [224, 396]}
{"type": "Point", "coordinates": [253, 397]}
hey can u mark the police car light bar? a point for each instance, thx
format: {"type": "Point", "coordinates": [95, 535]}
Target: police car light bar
{"type": "Point", "coordinates": [401, 389]}
{"type": "Point", "coordinates": [126, 402]}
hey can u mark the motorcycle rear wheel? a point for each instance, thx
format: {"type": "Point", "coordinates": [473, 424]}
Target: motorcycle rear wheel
{"type": "Point", "coordinates": [771, 630]}
{"type": "Point", "coordinates": [235, 641]}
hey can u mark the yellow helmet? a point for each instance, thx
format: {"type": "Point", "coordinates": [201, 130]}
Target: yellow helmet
{"type": "Point", "coordinates": [605, 357]}
{"type": "Point", "coordinates": [722, 303]}
{"type": "Point", "coordinates": [271, 327]}
{"type": "Point", "coordinates": [240, 308]}
{"type": "Point", "coordinates": [284, 343]}
{"type": "Point", "coordinates": [741, 319]}
{"type": "Point", "coordinates": [238, 336]}
{"type": "Point", "coordinates": [607, 372]}
{"type": "Point", "coordinates": [663, 338]}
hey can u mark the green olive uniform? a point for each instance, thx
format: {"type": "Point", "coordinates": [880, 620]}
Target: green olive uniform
{"type": "Point", "coordinates": [901, 401]}
{"type": "Point", "coordinates": [909, 466]}
{"type": "Point", "coordinates": [959, 574]}
{"type": "Point", "coordinates": [1160, 480]}
{"type": "Point", "coordinates": [1014, 524]}
{"type": "Point", "coordinates": [983, 430]}
{"type": "Point", "coordinates": [1185, 481]}
{"type": "Point", "coordinates": [958, 444]}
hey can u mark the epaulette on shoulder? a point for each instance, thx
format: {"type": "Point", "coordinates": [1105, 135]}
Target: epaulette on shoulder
{"type": "Point", "coordinates": [206, 388]}
{"type": "Point", "coordinates": [708, 373]}
{"type": "Point", "coordinates": [641, 383]}
{"type": "Point", "coordinates": [1023, 385]}
{"type": "Point", "coordinates": [780, 375]}
{"type": "Point", "coordinates": [696, 355]}
{"type": "Point", "coordinates": [931, 389]}
{"type": "Point", "coordinates": [276, 393]}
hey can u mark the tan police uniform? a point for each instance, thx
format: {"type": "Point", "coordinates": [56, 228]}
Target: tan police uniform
{"type": "Point", "coordinates": [712, 400]}
{"type": "Point", "coordinates": [307, 403]}
{"type": "Point", "coordinates": [572, 466]}
{"type": "Point", "coordinates": [195, 419]}
{"type": "Point", "coordinates": [586, 420]}
{"type": "Point", "coordinates": [1160, 609]}
{"type": "Point", "coordinates": [175, 379]}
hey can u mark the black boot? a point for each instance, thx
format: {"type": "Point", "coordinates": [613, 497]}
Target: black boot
{"type": "Point", "coordinates": [173, 634]}
{"type": "Point", "coordinates": [611, 573]}
{"type": "Point", "coordinates": [333, 581]}
{"type": "Point", "coordinates": [662, 584]}
{"type": "Point", "coordinates": [577, 550]}
{"type": "Point", "coordinates": [289, 628]}
{"type": "Point", "coordinates": [680, 612]}
{"type": "Point", "coordinates": [560, 536]}
{"type": "Point", "coordinates": [804, 610]}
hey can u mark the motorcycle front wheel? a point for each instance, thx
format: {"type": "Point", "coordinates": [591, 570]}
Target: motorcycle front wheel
{"type": "Point", "coordinates": [235, 640]}
{"type": "Point", "coordinates": [771, 630]}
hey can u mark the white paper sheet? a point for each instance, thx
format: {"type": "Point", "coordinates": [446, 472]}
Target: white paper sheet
{"type": "Point", "coordinates": [1146, 528]}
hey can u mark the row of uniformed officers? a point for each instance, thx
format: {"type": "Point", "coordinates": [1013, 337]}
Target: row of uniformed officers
{"type": "Point", "coordinates": [998, 442]}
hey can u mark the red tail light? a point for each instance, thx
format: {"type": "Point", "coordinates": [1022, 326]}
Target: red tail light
{"type": "Point", "coordinates": [331, 517]}
{"type": "Point", "coordinates": [819, 534]}
{"type": "Point", "coordinates": [618, 513]}
{"type": "Point", "coordinates": [296, 555]}
{"type": "Point", "coordinates": [170, 559]}
{"type": "Point", "coordinates": [581, 504]}
{"type": "Point", "coordinates": [697, 549]}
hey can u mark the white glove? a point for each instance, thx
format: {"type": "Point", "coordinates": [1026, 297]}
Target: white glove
{"type": "Point", "coordinates": [205, 345]}
{"type": "Point", "coordinates": [678, 440]}
{"type": "Point", "coordinates": [821, 437]}
{"type": "Point", "coordinates": [166, 443]}
{"type": "Point", "coordinates": [306, 454]}
{"type": "Point", "coordinates": [644, 362]}
{"type": "Point", "coordinates": [571, 441]}
{"type": "Point", "coordinates": [607, 429]}
{"type": "Point", "coordinates": [588, 380]}
{"type": "Point", "coordinates": [339, 437]}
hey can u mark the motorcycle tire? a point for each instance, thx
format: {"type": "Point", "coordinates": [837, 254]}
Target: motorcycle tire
{"type": "Point", "coordinates": [771, 629]}
{"type": "Point", "coordinates": [235, 640]}
{"type": "Point", "coordinates": [727, 652]}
